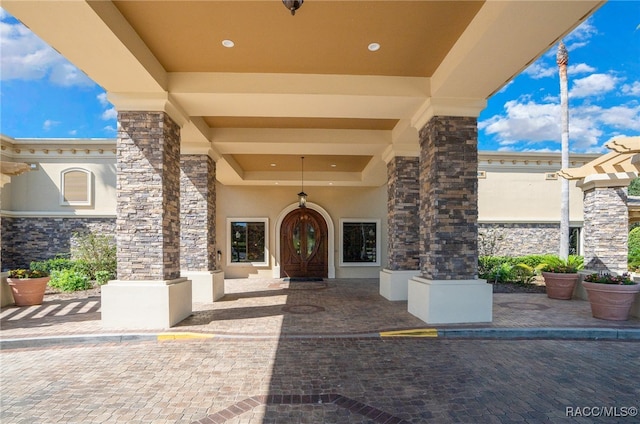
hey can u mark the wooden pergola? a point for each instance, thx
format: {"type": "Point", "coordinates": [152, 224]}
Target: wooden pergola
{"type": "Point", "coordinates": [623, 162]}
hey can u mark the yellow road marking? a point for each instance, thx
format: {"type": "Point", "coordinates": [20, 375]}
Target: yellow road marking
{"type": "Point", "coordinates": [183, 336]}
{"type": "Point", "coordinates": [418, 332]}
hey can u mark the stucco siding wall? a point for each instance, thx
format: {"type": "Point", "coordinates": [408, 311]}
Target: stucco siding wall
{"type": "Point", "coordinates": [39, 190]}
{"type": "Point", "coordinates": [268, 202]}
{"type": "Point", "coordinates": [524, 196]}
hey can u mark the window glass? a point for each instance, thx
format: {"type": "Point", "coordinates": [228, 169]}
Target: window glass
{"type": "Point", "coordinates": [360, 242]}
{"type": "Point", "coordinates": [247, 242]}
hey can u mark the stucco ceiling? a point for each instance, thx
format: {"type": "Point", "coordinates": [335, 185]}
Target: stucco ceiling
{"type": "Point", "coordinates": [304, 84]}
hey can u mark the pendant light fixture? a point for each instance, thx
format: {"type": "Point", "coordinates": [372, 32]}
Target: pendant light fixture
{"type": "Point", "coordinates": [292, 5]}
{"type": "Point", "coordinates": [302, 196]}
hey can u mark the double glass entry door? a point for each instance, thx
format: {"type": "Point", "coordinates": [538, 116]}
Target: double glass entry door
{"type": "Point", "coordinates": [303, 245]}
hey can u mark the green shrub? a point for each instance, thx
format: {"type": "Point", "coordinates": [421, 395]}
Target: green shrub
{"type": "Point", "coordinates": [69, 280]}
{"type": "Point", "coordinates": [102, 277]}
{"type": "Point", "coordinates": [98, 253]}
{"type": "Point", "coordinates": [634, 249]}
{"type": "Point", "coordinates": [518, 269]}
{"type": "Point", "coordinates": [55, 264]}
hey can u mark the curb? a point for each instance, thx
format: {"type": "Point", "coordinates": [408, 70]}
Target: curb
{"type": "Point", "coordinates": [540, 333]}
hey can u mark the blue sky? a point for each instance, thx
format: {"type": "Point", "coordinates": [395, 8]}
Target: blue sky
{"type": "Point", "coordinates": [43, 95]}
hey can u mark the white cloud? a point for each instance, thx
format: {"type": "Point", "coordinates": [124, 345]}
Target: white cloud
{"type": "Point", "coordinates": [631, 89]}
{"type": "Point", "coordinates": [580, 36]}
{"type": "Point", "coordinates": [27, 57]}
{"type": "Point", "coordinates": [580, 68]}
{"type": "Point", "coordinates": [110, 129]}
{"type": "Point", "coordinates": [526, 123]}
{"type": "Point", "coordinates": [48, 124]}
{"type": "Point", "coordinates": [593, 85]}
{"type": "Point", "coordinates": [102, 98]}
{"type": "Point", "coordinates": [539, 70]}
{"type": "Point", "coordinates": [622, 117]}
{"type": "Point", "coordinates": [73, 132]}
{"type": "Point", "coordinates": [110, 113]}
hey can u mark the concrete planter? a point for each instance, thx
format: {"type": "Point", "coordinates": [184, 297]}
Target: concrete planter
{"type": "Point", "coordinates": [28, 291]}
{"type": "Point", "coordinates": [560, 286]}
{"type": "Point", "coordinates": [611, 301]}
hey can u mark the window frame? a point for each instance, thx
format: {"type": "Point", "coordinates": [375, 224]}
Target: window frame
{"type": "Point", "coordinates": [230, 222]}
{"type": "Point", "coordinates": [63, 188]}
{"type": "Point", "coordinates": [378, 241]}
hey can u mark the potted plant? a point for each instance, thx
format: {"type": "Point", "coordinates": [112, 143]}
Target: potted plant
{"type": "Point", "coordinates": [27, 286]}
{"type": "Point", "coordinates": [561, 276]}
{"type": "Point", "coordinates": [611, 296]}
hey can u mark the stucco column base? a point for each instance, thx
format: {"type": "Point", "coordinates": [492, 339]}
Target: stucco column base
{"type": "Point", "coordinates": [206, 286]}
{"type": "Point", "coordinates": [394, 284]}
{"type": "Point", "coordinates": [145, 304]}
{"type": "Point", "coordinates": [581, 293]}
{"type": "Point", "coordinates": [450, 301]}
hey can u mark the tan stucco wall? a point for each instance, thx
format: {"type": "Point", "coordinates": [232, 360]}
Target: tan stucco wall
{"type": "Point", "coordinates": [519, 196]}
{"type": "Point", "coordinates": [268, 202]}
{"type": "Point", "coordinates": [39, 190]}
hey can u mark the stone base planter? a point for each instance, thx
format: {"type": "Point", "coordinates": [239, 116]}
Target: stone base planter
{"type": "Point", "coordinates": [560, 286]}
{"type": "Point", "coordinates": [28, 291]}
{"type": "Point", "coordinates": [611, 301]}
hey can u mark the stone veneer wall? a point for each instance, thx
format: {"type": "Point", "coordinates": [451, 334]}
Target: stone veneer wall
{"type": "Point", "coordinates": [403, 202]}
{"type": "Point", "coordinates": [197, 213]}
{"type": "Point", "coordinates": [36, 239]}
{"type": "Point", "coordinates": [148, 196]}
{"type": "Point", "coordinates": [519, 239]}
{"type": "Point", "coordinates": [449, 198]}
{"type": "Point", "coordinates": [606, 229]}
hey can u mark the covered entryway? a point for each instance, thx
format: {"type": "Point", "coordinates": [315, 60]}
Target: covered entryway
{"type": "Point", "coordinates": [303, 245]}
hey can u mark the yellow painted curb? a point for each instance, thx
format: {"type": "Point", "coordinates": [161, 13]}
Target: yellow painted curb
{"type": "Point", "coordinates": [418, 332]}
{"type": "Point", "coordinates": [183, 336]}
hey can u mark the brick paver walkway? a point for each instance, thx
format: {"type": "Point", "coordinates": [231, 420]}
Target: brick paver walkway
{"type": "Point", "coordinates": [308, 354]}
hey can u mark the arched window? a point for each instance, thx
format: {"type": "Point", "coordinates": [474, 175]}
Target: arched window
{"type": "Point", "coordinates": [75, 187]}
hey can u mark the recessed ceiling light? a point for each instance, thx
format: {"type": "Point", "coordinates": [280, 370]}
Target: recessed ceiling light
{"type": "Point", "coordinates": [373, 47]}
{"type": "Point", "coordinates": [228, 43]}
{"type": "Point", "coordinates": [333, 165]}
{"type": "Point", "coordinates": [273, 164]}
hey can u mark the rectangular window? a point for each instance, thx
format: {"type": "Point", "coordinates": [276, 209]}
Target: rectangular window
{"type": "Point", "coordinates": [359, 242]}
{"type": "Point", "coordinates": [247, 240]}
{"type": "Point", "coordinates": [575, 241]}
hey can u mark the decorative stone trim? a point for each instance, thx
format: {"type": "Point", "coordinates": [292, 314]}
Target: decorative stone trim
{"type": "Point", "coordinates": [148, 196]}
{"type": "Point", "coordinates": [40, 238]}
{"type": "Point", "coordinates": [197, 213]}
{"type": "Point", "coordinates": [606, 223]}
{"type": "Point", "coordinates": [519, 239]}
{"type": "Point", "coordinates": [403, 202]}
{"type": "Point", "coordinates": [449, 198]}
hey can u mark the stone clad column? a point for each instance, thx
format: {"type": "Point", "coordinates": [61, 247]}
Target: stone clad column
{"type": "Point", "coordinates": [198, 254]}
{"type": "Point", "coordinates": [606, 224]}
{"type": "Point", "coordinates": [149, 292]}
{"type": "Point", "coordinates": [448, 289]}
{"type": "Point", "coordinates": [403, 199]}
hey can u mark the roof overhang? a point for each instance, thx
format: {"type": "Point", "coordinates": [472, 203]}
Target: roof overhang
{"type": "Point", "coordinates": [303, 84]}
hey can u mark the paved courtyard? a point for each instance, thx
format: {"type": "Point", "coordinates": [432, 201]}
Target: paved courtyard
{"type": "Point", "coordinates": [278, 352]}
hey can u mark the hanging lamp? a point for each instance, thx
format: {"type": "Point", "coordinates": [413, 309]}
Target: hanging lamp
{"type": "Point", "coordinates": [292, 5]}
{"type": "Point", "coordinates": [302, 196]}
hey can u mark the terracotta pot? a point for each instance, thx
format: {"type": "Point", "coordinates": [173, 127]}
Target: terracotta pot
{"type": "Point", "coordinates": [611, 301]}
{"type": "Point", "coordinates": [28, 291]}
{"type": "Point", "coordinates": [560, 286]}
